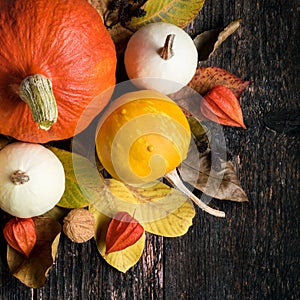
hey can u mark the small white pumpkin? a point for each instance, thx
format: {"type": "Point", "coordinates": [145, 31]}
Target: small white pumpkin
{"type": "Point", "coordinates": [32, 179]}
{"type": "Point", "coordinates": [162, 57]}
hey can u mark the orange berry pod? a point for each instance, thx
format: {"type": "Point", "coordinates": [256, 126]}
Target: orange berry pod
{"type": "Point", "coordinates": [221, 105]}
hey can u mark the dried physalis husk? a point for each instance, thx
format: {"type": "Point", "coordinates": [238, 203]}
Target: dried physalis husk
{"type": "Point", "coordinates": [79, 225]}
{"type": "Point", "coordinates": [221, 105]}
{"type": "Point", "coordinates": [123, 231]}
{"type": "Point", "coordinates": [20, 234]}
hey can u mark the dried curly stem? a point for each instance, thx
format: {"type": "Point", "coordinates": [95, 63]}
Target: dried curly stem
{"type": "Point", "coordinates": [175, 180]}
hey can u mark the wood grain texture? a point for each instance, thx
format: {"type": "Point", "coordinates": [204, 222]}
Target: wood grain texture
{"type": "Point", "coordinates": [254, 252]}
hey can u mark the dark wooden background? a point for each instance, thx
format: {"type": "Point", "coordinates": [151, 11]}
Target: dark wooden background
{"type": "Point", "coordinates": [254, 252]}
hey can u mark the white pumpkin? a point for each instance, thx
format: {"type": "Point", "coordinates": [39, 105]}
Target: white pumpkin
{"type": "Point", "coordinates": [32, 179]}
{"type": "Point", "coordinates": [161, 56]}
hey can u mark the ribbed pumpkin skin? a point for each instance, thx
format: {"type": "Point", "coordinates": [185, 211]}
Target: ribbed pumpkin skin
{"type": "Point", "coordinates": [65, 41]}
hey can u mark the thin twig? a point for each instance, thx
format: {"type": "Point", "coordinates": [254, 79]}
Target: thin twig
{"type": "Point", "coordinates": [175, 180]}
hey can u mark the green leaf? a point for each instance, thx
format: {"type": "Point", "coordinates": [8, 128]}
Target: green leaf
{"type": "Point", "coordinates": [121, 260]}
{"type": "Point", "coordinates": [208, 41]}
{"type": "Point", "coordinates": [32, 271]}
{"type": "Point", "coordinates": [155, 206]}
{"type": "Point", "coordinates": [82, 183]}
{"type": "Point", "coordinates": [177, 12]}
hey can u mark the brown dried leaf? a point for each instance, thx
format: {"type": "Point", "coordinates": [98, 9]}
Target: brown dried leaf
{"type": "Point", "coordinates": [32, 271]}
{"type": "Point", "coordinates": [118, 33]}
{"type": "Point", "coordinates": [219, 181]}
{"type": "Point", "coordinates": [208, 41]}
{"type": "Point", "coordinates": [206, 78]}
{"type": "Point", "coordinates": [120, 36]}
{"type": "Point", "coordinates": [208, 171]}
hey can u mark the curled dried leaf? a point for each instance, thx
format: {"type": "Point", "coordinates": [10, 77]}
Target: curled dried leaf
{"type": "Point", "coordinates": [210, 172]}
{"type": "Point", "coordinates": [32, 271]}
{"type": "Point", "coordinates": [116, 14]}
{"type": "Point", "coordinates": [221, 183]}
{"type": "Point", "coordinates": [208, 41]}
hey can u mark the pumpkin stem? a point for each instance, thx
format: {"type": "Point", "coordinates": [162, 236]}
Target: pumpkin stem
{"type": "Point", "coordinates": [167, 51]}
{"type": "Point", "coordinates": [36, 91]}
{"type": "Point", "coordinates": [19, 177]}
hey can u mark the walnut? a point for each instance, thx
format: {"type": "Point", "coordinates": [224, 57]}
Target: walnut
{"type": "Point", "coordinates": [79, 225]}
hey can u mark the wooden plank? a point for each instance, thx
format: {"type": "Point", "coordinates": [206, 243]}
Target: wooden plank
{"type": "Point", "coordinates": [81, 273]}
{"type": "Point", "coordinates": [254, 253]}
{"type": "Point", "coordinates": [11, 288]}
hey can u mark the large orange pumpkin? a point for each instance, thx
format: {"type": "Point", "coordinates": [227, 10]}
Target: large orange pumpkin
{"type": "Point", "coordinates": [66, 44]}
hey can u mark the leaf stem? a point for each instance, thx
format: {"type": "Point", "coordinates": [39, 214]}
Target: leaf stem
{"type": "Point", "coordinates": [175, 180]}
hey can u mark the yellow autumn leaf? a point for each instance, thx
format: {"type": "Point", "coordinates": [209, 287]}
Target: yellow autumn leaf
{"type": "Point", "coordinates": [177, 12]}
{"type": "Point", "coordinates": [162, 210]}
{"type": "Point", "coordinates": [121, 260]}
{"type": "Point", "coordinates": [175, 224]}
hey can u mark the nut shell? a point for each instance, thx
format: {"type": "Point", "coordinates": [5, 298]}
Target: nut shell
{"type": "Point", "coordinates": [79, 225]}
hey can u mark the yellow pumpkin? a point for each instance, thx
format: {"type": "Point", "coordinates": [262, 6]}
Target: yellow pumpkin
{"type": "Point", "coordinates": [142, 136]}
